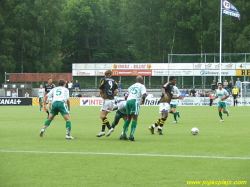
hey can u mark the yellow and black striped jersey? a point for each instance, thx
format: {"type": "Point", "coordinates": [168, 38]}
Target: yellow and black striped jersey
{"type": "Point", "coordinates": [169, 90]}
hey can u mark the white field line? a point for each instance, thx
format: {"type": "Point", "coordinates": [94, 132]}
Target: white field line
{"type": "Point", "coordinates": [127, 154]}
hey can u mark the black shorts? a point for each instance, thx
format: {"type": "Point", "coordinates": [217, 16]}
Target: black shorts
{"type": "Point", "coordinates": [235, 96]}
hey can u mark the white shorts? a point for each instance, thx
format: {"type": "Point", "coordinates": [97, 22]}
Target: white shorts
{"type": "Point", "coordinates": [108, 105]}
{"type": "Point", "coordinates": [163, 107]}
{"type": "Point", "coordinates": [49, 100]}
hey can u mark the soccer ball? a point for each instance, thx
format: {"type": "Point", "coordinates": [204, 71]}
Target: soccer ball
{"type": "Point", "coordinates": [194, 131]}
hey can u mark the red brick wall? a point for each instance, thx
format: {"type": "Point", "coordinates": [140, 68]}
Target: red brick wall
{"type": "Point", "coordinates": [39, 77]}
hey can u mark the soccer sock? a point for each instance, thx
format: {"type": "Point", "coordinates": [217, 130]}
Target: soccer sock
{"type": "Point", "coordinates": [226, 112]}
{"type": "Point", "coordinates": [41, 106]}
{"type": "Point", "coordinates": [220, 114]}
{"type": "Point", "coordinates": [162, 121]}
{"type": "Point", "coordinates": [175, 115]}
{"type": "Point", "coordinates": [68, 128]}
{"type": "Point", "coordinates": [234, 102]}
{"type": "Point", "coordinates": [171, 112]}
{"type": "Point", "coordinates": [113, 124]}
{"type": "Point", "coordinates": [133, 127]}
{"type": "Point", "coordinates": [105, 121]}
{"type": "Point", "coordinates": [157, 122]}
{"type": "Point", "coordinates": [46, 124]}
{"type": "Point", "coordinates": [125, 127]}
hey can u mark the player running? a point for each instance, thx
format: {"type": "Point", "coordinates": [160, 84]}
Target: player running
{"type": "Point", "coordinates": [49, 87]}
{"type": "Point", "coordinates": [108, 89]}
{"type": "Point", "coordinates": [167, 95]}
{"type": "Point", "coordinates": [174, 103]}
{"type": "Point", "coordinates": [136, 96]}
{"type": "Point", "coordinates": [60, 97]}
{"type": "Point", "coordinates": [222, 94]}
{"type": "Point", "coordinates": [40, 96]}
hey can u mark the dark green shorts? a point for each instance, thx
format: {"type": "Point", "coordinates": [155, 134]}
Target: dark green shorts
{"type": "Point", "coordinates": [132, 107]}
{"type": "Point", "coordinates": [222, 105]}
{"type": "Point", "coordinates": [173, 106]}
{"type": "Point", "coordinates": [59, 107]}
{"type": "Point", "coordinates": [40, 99]}
{"type": "Point", "coordinates": [119, 115]}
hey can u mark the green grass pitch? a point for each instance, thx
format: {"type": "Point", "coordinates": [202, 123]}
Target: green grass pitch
{"type": "Point", "coordinates": [152, 160]}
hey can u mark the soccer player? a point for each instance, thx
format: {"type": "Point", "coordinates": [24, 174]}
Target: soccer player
{"type": "Point", "coordinates": [174, 104]}
{"type": "Point", "coordinates": [235, 94]}
{"type": "Point", "coordinates": [60, 97]}
{"type": "Point", "coordinates": [136, 96]}
{"type": "Point", "coordinates": [49, 87]}
{"type": "Point", "coordinates": [222, 94]}
{"type": "Point", "coordinates": [40, 96]}
{"type": "Point", "coordinates": [108, 89]}
{"type": "Point", "coordinates": [120, 113]}
{"type": "Point", "coordinates": [167, 95]}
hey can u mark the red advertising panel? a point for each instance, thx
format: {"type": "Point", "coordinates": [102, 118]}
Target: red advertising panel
{"type": "Point", "coordinates": [131, 72]}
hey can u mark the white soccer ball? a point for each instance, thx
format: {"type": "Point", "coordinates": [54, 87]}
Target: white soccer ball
{"type": "Point", "coordinates": [194, 131]}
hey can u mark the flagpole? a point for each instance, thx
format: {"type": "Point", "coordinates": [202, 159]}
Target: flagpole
{"type": "Point", "coordinates": [220, 35]}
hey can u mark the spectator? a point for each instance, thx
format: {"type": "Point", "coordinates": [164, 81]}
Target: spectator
{"type": "Point", "coordinates": [70, 85]}
{"type": "Point", "coordinates": [225, 84]}
{"type": "Point", "coordinates": [73, 94]}
{"type": "Point", "coordinates": [198, 93]}
{"type": "Point", "coordinates": [211, 97]}
{"type": "Point", "coordinates": [150, 95]}
{"type": "Point", "coordinates": [27, 95]}
{"type": "Point", "coordinates": [206, 93]}
{"type": "Point", "coordinates": [238, 84]}
{"type": "Point", "coordinates": [14, 94]}
{"type": "Point", "coordinates": [192, 92]}
{"type": "Point", "coordinates": [230, 87]}
{"type": "Point", "coordinates": [77, 86]}
{"type": "Point", "coordinates": [98, 95]}
{"type": "Point", "coordinates": [187, 93]}
{"type": "Point", "coordinates": [93, 95]}
{"type": "Point", "coordinates": [202, 93]}
{"type": "Point", "coordinates": [218, 82]}
{"type": "Point", "coordinates": [84, 95]}
{"type": "Point", "coordinates": [78, 95]}
{"type": "Point", "coordinates": [183, 93]}
{"type": "Point", "coordinates": [120, 88]}
{"type": "Point", "coordinates": [67, 85]}
{"type": "Point", "coordinates": [213, 85]}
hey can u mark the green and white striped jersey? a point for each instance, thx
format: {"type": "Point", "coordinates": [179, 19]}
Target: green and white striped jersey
{"type": "Point", "coordinates": [176, 93]}
{"type": "Point", "coordinates": [136, 91]}
{"type": "Point", "coordinates": [221, 94]}
{"type": "Point", "coordinates": [41, 92]}
{"type": "Point", "coordinates": [59, 93]}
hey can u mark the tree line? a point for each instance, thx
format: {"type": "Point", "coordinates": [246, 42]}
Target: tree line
{"type": "Point", "coordinates": [50, 35]}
